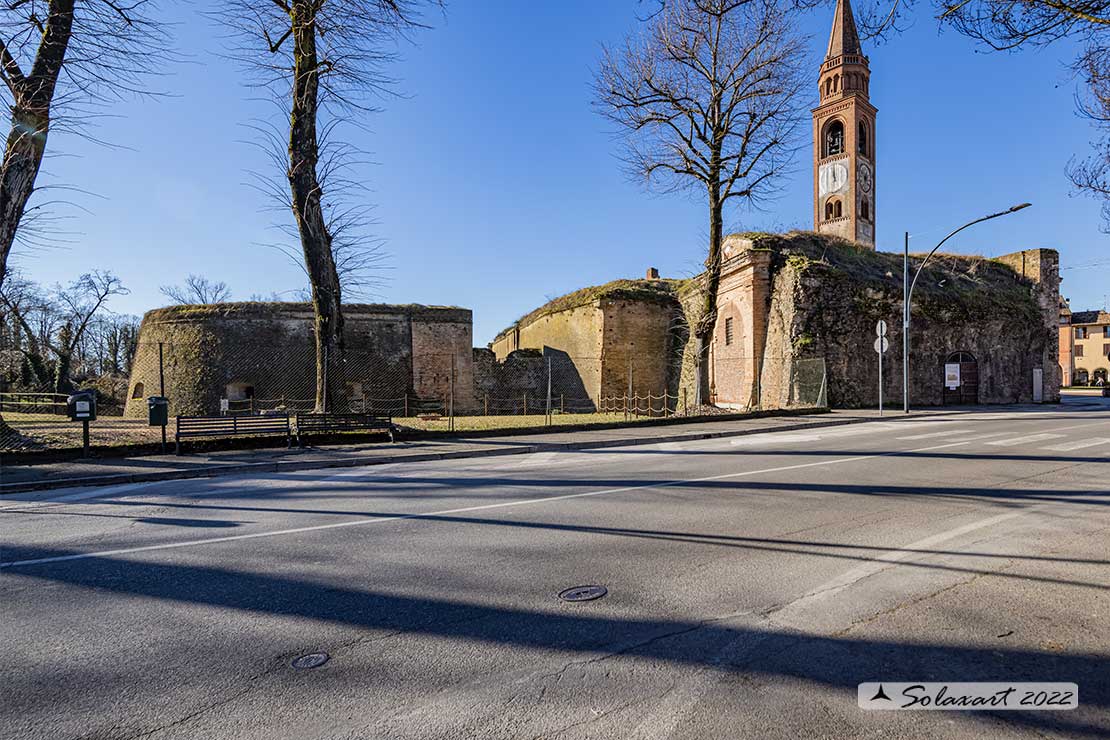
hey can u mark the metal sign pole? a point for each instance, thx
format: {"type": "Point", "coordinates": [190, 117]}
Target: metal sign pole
{"type": "Point", "coordinates": [881, 344]}
{"type": "Point", "coordinates": [880, 380]}
{"type": "Point", "coordinates": [906, 327]}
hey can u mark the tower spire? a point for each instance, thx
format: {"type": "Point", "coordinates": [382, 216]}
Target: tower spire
{"type": "Point", "coordinates": [844, 137]}
{"type": "Point", "coordinates": [844, 38]}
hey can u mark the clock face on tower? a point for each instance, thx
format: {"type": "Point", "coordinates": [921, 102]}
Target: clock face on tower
{"type": "Point", "coordinates": [832, 178]}
{"type": "Point", "coordinates": [865, 177]}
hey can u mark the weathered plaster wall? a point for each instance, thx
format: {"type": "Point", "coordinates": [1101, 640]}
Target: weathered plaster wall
{"type": "Point", "coordinates": [577, 334]}
{"type": "Point", "coordinates": [741, 307]}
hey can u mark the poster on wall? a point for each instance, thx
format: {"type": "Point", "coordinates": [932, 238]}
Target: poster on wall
{"type": "Point", "coordinates": [952, 375]}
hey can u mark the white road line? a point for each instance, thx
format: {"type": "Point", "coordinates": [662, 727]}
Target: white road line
{"type": "Point", "coordinates": [945, 433]}
{"type": "Point", "coordinates": [1081, 444]}
{"type": "Point", "coordinates": [536, 458]}
{"type": "Point", "coordinates": [854, 430]}
{"type": "Point", "coordinates": [445, 512]}
{"type": "Point", "coordinates": [845, 580]}
{"type": "Point", "coordinates": [772, 438]}
{"type": "Point", "coordinates": [1028, 439]}
{"type": "Point", "coordinates": [84, 494]}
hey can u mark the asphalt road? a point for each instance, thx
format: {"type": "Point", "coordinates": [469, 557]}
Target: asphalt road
{"type": "Point", "coordinates": [752, 584]}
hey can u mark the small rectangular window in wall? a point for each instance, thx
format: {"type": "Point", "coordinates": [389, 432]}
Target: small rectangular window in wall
{"type": "Point", "coordinates": [1106, 331]}
{"type": "Point", "coordinates": [1079, 350]}
{"type": "Point", "coordinates": [1080, 332]}
{"type": "Point", "coordinates": [728, 332]}
{"type": "Point", "coordinates": [1106, 350]}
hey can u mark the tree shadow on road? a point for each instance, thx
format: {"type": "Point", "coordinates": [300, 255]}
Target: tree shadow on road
{"type": "Point", "coordinates": [838, 662]}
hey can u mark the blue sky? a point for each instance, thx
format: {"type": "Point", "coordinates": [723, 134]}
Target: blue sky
{"type": "Point", "coordinates": [496, 185]}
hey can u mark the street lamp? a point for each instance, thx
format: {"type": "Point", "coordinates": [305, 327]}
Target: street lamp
{"type": "Point", "coordinates": [907, 294]}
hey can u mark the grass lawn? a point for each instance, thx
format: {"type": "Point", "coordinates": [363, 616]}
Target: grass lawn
{"type": "Point", "coordinates": [58, 432]}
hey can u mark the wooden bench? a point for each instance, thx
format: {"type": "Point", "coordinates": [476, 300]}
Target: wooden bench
{"type": "Point", "coordinates": [312, 423]}
{"type": "Point", "coordinates": [233, 425]}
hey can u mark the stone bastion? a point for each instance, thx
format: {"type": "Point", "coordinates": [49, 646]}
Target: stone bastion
{"type": "Point", "coordinates": [261, 356]}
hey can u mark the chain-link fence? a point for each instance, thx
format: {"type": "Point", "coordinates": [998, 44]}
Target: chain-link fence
{"type": "Point", "coordinates": [426, 385]}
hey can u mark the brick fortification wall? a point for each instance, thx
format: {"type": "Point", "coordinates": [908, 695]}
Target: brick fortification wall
{"type": "Point", "coordinates": [596, 336]}
{"type": "Point", "coordinates": [1042, 268]}
{"type": "Point", "coordinates": [390, 351]}
{"type": "Point", "coordinates": [824, 297]}
{"type": "Point", "coordinates": [574, 333]}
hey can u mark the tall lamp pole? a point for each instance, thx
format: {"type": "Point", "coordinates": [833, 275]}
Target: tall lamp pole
{"type": "Point", "coordinates": [907, 293]}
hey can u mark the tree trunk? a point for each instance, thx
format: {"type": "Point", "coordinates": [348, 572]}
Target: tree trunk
{"type": "Point", "coordinates": [304, 152]}
{"type": "Point", "coordinates": [26, 144]}
{"type": "Point", "coordinates": [703, 333]}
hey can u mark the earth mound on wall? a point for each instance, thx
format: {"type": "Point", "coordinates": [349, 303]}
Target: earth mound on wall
{"type": "Point", "coordinates": [664, 291]}
{"type": "Point", "coordinates": [952, 286]}
{"type": "Point", "coordinates": [827, 295]}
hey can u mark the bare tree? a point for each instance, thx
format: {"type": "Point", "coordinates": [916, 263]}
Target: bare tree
{"type": "Point", "coordinates": [1091, 175]}
{"type": "Point", "coordinates": [324, 59]}
{"type": "Point", "coordinates": [708, 100]}
{"type": "Point", "coordinates": [75, 307]}
{"type": "Point", "coordinates": [33, 319]}
{"type": "Point", "coordinates": [58, 58]}
{"type": "Point", "coordinates": [197, 290]}
{"type": "Point", "coordinates": [1011, 25]}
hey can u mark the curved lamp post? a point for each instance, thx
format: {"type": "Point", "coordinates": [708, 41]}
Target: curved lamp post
{"type": "Point", "coordinates": [907, 293]}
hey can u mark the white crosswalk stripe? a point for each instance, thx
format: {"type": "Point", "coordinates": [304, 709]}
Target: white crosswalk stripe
{"type": "Point", "coordinates": [1081, 444]}
{"type": "Point", "coordinates": [945, 433]}
{"type": "Point", "coordinates": [1028, 439]}
{"type": "Point", "coordinates": [766, 439]}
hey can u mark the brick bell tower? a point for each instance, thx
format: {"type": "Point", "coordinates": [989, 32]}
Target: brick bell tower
{"type": "Point", "coordinates": [844, 138]}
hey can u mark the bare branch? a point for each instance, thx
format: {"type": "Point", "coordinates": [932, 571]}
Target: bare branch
{"type": "Point", "coordinates": [708, 98]}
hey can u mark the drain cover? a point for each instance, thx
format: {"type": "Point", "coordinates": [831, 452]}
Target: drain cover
{"type": "Point", "coordinates": [583, 593]}
{"type": "Point", "coordinates": [312, 660]}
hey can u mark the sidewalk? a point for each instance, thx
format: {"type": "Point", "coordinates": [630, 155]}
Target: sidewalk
{"type": "Point", "coordinates": [116, 471]}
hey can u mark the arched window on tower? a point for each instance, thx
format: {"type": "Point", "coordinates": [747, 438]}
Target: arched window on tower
{"type": "Point", "coordinates": [863, 139]}
{"type": "Point", "coordinates": [838, 209]}
{"type": "Point", "coordinates": [833, 209]}
{"type": "Point", "coordinates": [828, 87]}
{"type": "Point", "coordinates": [865, 210]}
{"type": "Point", "coordinates": [834, 139]}
{"type": "Point", "coordinates": [836, 83]}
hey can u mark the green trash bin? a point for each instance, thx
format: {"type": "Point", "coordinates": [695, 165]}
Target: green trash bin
{"type": "Point", "coordinates": [158, 411]}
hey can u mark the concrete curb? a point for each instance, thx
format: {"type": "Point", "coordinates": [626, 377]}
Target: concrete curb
{"type": "Point", "coordinates": [290, 466]}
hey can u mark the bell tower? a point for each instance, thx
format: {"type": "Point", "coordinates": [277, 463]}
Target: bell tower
{"type": "Point", "coordinates": [844, 138]}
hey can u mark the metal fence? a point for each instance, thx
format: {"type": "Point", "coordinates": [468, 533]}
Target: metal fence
{"type": "Point", "coordinates": [422, 385]}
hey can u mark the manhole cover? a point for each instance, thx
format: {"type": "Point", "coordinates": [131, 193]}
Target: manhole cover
{"type": "Point", "coordinates": [312, 660]}
{"type": "Point", "coordinates": [583, 593]}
